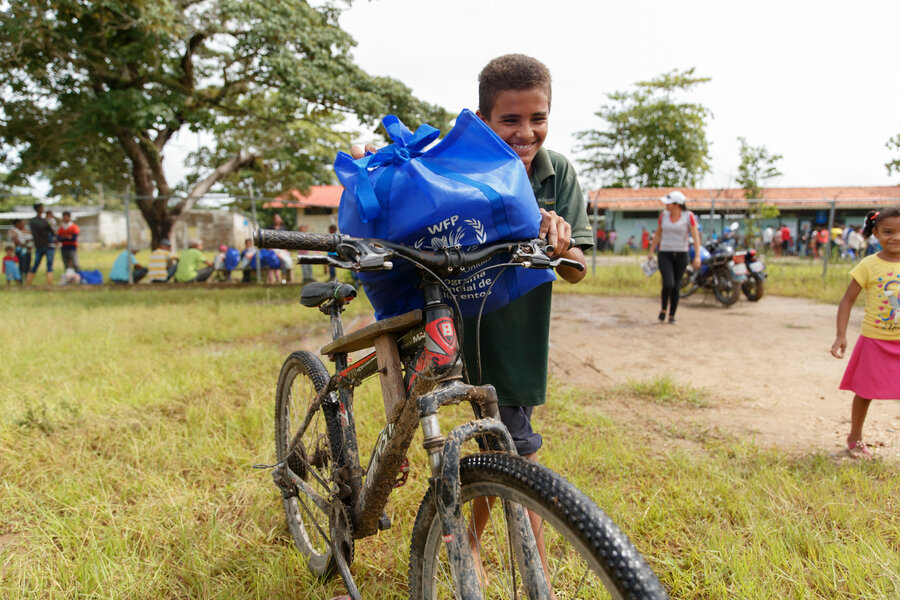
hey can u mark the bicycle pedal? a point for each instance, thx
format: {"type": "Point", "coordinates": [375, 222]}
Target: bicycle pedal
{"type": "Point", "coordinates": [384, 522]}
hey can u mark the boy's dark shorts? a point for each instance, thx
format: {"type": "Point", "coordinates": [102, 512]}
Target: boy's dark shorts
{"type": "Point", "coordinates": [518, 420]}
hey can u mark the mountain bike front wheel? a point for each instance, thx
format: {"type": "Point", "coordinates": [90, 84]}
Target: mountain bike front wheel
{"type": "Point", "coordinates": [310, 455]}
{"type": "Point", "coordinates": [587, 555]}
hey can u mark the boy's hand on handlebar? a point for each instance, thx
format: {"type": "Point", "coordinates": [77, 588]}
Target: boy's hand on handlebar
{"type": "Point", "coordinates": [556, 231]}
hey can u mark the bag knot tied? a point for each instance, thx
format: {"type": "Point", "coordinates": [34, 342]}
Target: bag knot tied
{"type": "Point", "coordinates": [407, 145]}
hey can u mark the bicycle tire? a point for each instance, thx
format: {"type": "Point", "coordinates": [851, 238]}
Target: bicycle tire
{"type": "Point", "coordinates": [304, 373]}
{"type": "Point", "coordinates": [612, 566]}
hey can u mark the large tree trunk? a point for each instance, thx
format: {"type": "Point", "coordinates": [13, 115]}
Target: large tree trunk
{"type": "Point", "coordinates": [154, 196]}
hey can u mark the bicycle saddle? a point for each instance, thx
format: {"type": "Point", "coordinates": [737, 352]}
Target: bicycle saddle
{"type": "Point", "coordinates": [317, 292]}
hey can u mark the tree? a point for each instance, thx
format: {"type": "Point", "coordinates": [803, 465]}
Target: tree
{"type": "Point", "coordinates": [894, 165]}
{"type": "Point", "coordinates": [11, 197]}
{"type": "Point", "coordinates": [652, 140]}
{"type": "Point", "coordinates": [757, 166]}
{"type": "Point", "coordinates": [98, 89]}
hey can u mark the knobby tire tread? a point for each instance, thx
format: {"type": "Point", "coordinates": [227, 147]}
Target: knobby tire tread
{"type": "Point", "coordinates": [619, 559]}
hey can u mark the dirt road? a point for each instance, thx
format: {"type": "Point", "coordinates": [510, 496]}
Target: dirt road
{"type": "Point", "coordinates": [765, 367]}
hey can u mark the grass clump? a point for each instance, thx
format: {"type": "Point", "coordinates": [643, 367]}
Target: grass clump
{"type": "Point", "coordinates": [666, 391]}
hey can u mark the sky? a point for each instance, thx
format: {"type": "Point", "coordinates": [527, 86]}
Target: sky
{"type": "Point", "coordinates": [816, 82]}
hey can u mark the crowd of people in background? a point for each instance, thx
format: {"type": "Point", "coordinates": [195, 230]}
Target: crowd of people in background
{"type": "Point", "coordinates": [36, 240]}
{"type": "Point", "coordinates": [842, 241]}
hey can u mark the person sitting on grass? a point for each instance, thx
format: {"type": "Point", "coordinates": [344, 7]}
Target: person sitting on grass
{"type": "Point", "coordinates": [162, 263]}
{"type": "Point", "coordinates": [189, 269]}
{"type": "Point", "coordinates": [248, 261]}
{"type": "Point", "coordinates": [219, 265]}
{"type": "Point", "coordinates": [119, 271]}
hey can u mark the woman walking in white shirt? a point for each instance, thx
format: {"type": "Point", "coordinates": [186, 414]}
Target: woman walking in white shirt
{"type": "Point", "coordinates": [675, 227]}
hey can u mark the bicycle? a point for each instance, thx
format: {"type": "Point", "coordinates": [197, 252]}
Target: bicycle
{"type": "Point", "coordinates": [330, 500]}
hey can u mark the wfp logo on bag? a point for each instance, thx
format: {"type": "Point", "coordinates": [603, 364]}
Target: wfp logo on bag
{"type": "Point", "coordinates": [457, 237]}
{"type": "Point", "coordinates": [466, 190]}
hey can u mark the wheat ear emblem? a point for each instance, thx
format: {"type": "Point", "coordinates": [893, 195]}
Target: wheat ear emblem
{"type": "Point", "coordinates": [479, 230]}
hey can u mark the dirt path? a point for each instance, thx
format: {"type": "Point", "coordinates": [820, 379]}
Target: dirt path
{"type": "Point", "coordinates": [765, 366]}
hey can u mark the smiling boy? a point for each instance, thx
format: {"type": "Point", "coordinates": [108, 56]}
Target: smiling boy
{"type": "Point", "coordinates": [514, 96]}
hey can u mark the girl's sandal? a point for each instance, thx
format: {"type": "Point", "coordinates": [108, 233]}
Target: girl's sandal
{"type": "Point", "coordinates": [662, 316]}
{"type": "Point", "coordinates": [858, 449]}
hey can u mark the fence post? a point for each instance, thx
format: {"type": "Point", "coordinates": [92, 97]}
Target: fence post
{"type": "Point", "coordinates": [128, 233]}
{"type": "Point", "coordinates": [255, 226]}
{"type": "Point", "coordinates": [830, 244]}
{"type": "Point", "coordinates": [596, 221]}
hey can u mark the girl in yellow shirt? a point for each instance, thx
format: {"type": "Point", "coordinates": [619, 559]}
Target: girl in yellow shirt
{"type": "Point", "coordinates": [873, 371]}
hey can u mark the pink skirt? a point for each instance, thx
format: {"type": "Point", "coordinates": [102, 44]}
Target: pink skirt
{"type": "Point", "coordinates": [873, 370]}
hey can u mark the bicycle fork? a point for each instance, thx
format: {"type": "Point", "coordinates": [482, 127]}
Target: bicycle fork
{"type": "Point", "coordinates": [443, 457]}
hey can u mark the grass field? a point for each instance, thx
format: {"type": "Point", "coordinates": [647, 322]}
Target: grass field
{"type": "Point", "coordinates": [131, 419]}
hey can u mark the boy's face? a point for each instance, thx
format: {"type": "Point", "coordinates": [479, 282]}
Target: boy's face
{"type": "Point", "coordinates": [520, 118]}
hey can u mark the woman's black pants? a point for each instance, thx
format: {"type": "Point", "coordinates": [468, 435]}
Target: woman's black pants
{"type": "Point", "coordinates": [671, 266]}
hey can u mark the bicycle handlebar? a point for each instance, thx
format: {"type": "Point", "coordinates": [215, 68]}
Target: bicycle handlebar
{"type": "Point", "coordinates": [295, 240]}
{"type": "Point", "coordinates": [373, 255]}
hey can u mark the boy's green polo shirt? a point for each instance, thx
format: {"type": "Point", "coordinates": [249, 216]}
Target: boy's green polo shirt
{"type": "Point", "coordinates": [515, 340]}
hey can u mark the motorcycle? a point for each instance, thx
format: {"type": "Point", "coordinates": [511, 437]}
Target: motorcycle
{"type": "Point", "coordinates": [753, 285]}
{"type": "Point", "coordinates": [718, 272]}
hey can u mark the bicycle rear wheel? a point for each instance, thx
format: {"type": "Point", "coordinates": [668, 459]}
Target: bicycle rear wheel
{"type": "Point", "coordinates": [310, 456]}
{"type": "Point", "coordinates": [587, 555]}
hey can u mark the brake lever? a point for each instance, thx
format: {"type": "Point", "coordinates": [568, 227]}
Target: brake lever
{"type": "Point", "coordinates": [535, 255]}
{"type": "Point", "coordinates": [567, 262]}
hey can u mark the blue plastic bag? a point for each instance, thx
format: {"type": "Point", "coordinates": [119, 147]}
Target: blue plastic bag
{"type": "Point", "coordinates": [468, 190]}
{"type": "Point", "coordinates": [94, 277]}
{"type": "Point", "coordinates": [268, 259]}
{"type": "Point", "coordinates": [232, 258]}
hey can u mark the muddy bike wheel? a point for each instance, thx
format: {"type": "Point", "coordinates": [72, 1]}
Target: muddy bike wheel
{"type": "Point", "coordinates": [588, 556]}
{"type": "Point", "coordinates": [310, 456]}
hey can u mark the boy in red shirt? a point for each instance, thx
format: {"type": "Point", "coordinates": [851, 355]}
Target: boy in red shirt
{"type": "Point", "coordinates": [68, 237]}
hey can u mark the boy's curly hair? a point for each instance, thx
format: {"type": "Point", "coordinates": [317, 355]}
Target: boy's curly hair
{"type": "Point", "coordinates": [875, 217]}
{"type": "Point", "coordinates": [510, 72]}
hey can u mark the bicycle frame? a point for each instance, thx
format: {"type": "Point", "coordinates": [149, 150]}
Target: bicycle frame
{"type": "Point", "coordinates": [433, 379]}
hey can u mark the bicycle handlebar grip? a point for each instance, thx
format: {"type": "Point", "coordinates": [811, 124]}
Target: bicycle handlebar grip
{"type": "Point", "coordinates": [295, 240]}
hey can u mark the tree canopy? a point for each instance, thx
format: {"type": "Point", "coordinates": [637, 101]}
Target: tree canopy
{"type": "Point", "coordinates": [894, 165]}
{"type": "Point", "coordinates": [757, 166]}
{"type": "Point", "coordinates": [651, 139]}
{"type": "Point", "coordinates": [98, 89]}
